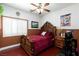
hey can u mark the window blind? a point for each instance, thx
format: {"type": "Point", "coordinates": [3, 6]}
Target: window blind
{"type": "Point", "coordinates": [14, 27]}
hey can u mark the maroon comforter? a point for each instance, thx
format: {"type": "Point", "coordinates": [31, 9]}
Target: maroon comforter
{"type": "Point", "coordinates": [40, 42]}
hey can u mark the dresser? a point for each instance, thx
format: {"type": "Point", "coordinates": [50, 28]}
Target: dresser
{"type": "Point", "coordinates": [59, 41]}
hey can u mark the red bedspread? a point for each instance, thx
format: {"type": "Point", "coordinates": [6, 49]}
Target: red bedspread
{"type": "Point", "coordinates": [40, 42]}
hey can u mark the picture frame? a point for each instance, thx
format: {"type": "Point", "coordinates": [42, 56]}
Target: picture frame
{"type": "Point", "coordinates": [65, 20]}
{"type": "Point", "coordinates": [34, 24]}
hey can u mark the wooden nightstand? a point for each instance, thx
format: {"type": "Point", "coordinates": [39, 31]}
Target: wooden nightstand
{"type": "Point", "coordinates": [59, 41]}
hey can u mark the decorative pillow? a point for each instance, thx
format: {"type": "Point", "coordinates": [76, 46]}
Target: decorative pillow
{"type": "Point", "coordinates": [43, 33]}
{"type": "Point", "coordinates": [49, 34]}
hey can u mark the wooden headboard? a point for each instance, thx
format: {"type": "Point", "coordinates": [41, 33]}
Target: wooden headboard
{"type": "Point", "coordinates": [49, 27]}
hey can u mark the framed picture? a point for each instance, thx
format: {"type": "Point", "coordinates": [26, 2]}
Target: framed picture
{"type": "Point", "coordinates": [34, 24]}
{"type": "Point", "coordinates": [65, 20]}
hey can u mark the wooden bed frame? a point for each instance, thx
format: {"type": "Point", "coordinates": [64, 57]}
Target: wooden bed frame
{"type": "Point", "coordinates": [28, 46]}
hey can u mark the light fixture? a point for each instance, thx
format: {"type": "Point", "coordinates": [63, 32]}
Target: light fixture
{"type": "Point", "coordinates": [38, 10]}
{"type": "Point", "coordinates": [40, 7]}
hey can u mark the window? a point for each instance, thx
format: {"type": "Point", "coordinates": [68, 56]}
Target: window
{"type": "Point", "coordinates": [14, 27]}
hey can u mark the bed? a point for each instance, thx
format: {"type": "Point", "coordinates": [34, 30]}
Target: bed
{"type": "Point", "coordinates": [34, 44]}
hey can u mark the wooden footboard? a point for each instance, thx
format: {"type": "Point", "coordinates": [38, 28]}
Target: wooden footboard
{"type": "Point", "coordinates": [28, 46]}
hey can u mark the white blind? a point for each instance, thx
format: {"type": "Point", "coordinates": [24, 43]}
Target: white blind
{"type": "Point", "coordinates": [13, 27]}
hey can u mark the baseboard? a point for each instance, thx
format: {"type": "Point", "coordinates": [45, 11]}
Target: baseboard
{"type": "Point", "coordinates": [11, 46]}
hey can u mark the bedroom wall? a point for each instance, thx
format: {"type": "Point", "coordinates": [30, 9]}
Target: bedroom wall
{"type": "Point", "coordinates": [11, 11]}
{"type": "Point", "coordinates": [54, 17]}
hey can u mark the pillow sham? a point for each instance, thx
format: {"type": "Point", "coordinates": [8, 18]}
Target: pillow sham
{"type": "Point", "coordinates": [43, 33]}
{"type": "Point", "coordinates": [48, 34]}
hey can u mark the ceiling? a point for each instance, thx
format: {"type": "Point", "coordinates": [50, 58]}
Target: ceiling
{"type": "Point", "coordinates": [27, 7]}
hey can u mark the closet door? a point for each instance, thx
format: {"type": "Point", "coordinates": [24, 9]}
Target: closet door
{"type": "Point", "coordinates": [24, 27]}
{"type": "Point", "coordinates": [7, 27]}
{"type": "Point", "coordinates": [19, 27]}
{"type": "Point", "coordinates": [14, 27]}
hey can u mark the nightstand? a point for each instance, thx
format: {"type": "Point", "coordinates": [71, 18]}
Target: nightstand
{"type": "Point", "coordinates": [59, 41]}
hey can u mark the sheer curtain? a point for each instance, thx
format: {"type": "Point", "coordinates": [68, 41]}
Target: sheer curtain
{"type": "Point", "coordinates": [14, 27]}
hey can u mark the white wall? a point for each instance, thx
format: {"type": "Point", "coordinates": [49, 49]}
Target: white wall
{"type": "Point", "coordinates": [54, 17]}
{"type": "Point", "coordinates": [10, 11]}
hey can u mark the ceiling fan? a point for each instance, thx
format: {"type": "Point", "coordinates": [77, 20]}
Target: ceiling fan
{"type": "Point", "coordinates": [40, 7]}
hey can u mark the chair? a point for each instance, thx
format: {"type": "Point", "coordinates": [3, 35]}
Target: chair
{"type": "Point", "coordinates": [70, 44]}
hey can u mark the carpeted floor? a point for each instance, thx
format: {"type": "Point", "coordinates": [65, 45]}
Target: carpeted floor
{"type": "Point", "coordinates": [18, 51]}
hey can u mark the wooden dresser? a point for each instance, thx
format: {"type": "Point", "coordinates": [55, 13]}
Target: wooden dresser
{"type": "Point", "coordinates": [59, 41]}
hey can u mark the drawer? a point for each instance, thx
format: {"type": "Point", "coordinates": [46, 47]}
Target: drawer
{"type": "Point", "coordinates": [59, 42]}
{"type": "Point", "coordinates": [60, 46]}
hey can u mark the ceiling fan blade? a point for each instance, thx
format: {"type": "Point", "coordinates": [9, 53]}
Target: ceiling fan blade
{"type": "Point", "coordinates": [46, 4]}
{"type": "Point", "coordinates": [40, 4]}
{"type": "Point", "coordinates": [34, 5]}
{"type": "Point", "coordinates": [33, 10]}
{"type": "Point", "coordinates": [40, 12]}
{"type": "Point", "coordinates": [47, 10]}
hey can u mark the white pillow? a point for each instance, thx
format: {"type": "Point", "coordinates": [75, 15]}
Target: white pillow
{"type": "Point", "coordinates": [43, 33]}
